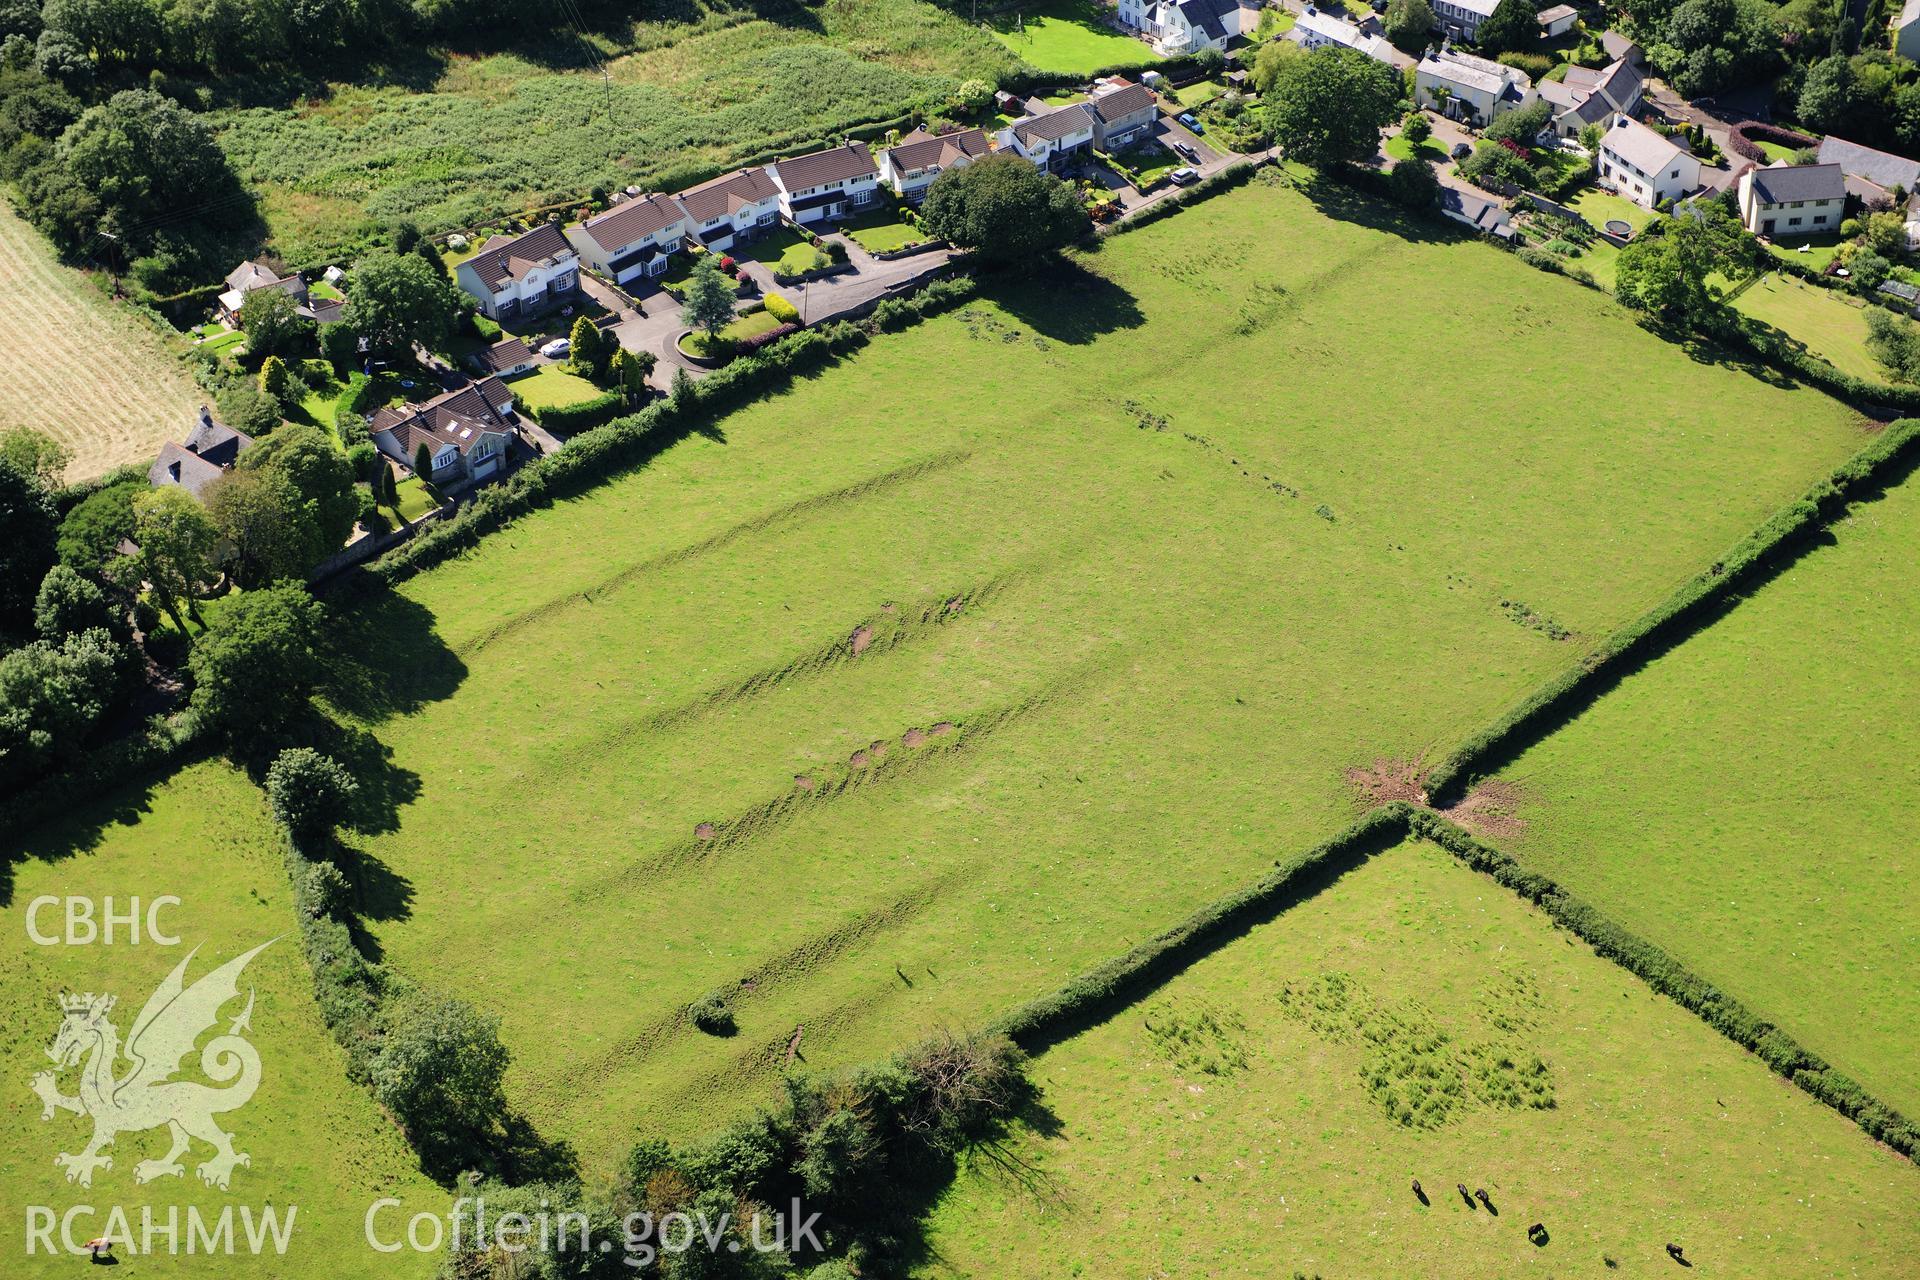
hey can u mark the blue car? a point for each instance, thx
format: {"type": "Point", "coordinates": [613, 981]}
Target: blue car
{"type": "Point", "coordinates": [1188, 120]}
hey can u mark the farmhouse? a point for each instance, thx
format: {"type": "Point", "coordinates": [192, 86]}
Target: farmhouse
{"type": "Point", "coordinates": [209, 452]}
{"type": "Point", "coordinates": [826, 184]}
{"type": "Point", "coordinates": [1461, 19]}
{"type": "Point", "coordinates": [1646, 168]}
{"type": "Point", "coordinates": [1187, 26]}
{"type": "Point", "coordinates": [1053, 140]}
{"type": "Point", "coordinates": [251, 277]}
{"type": "Point", "coordinates": [1474, 90]}
{"type": "Point", "coordinates": [1588, 96]}
{"type": "Point", "coordinates": [1557, 21]}
{"type": "Point", "coordinates": [467, 431]}
{"type": "Point", "coordinates": [1317, 29]}
{"type": "Point", "coordinates": [1792, 199]}
{"type": "Point", "coordinates": [911, 166]}
{"type": "Point", "coordinates": [1122, 111]}
{"type": "Point", "coordinates": [634, 239]}
{"type": "Point", "coordinates": [522, 275]}
{"type": "Point", "coordinates": [733, 209]}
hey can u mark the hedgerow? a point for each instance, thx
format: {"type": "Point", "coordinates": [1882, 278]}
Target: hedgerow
{"type": "Point", "coordinates": [1548, 707]}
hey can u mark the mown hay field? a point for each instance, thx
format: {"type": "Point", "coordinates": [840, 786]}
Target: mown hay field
{"type": "Point", "coordinates": [320, 1149]}
{"type": "Point", "coordinates": [1245, 1119]}
{"type": "Point", "coordinates": [1745, 800]}
{"type": "Point", "coordinates": [74, 365]}
{"type": "Point", "coordinates": [503, 133]}
{"type": "Point", "coordinates": [904, 695]}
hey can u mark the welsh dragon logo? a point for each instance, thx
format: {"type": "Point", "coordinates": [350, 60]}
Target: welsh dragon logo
{"type": "Point", "coordinates": [144, 1095]}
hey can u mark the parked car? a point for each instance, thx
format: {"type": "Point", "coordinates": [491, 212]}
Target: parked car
{"type": "Point", "coordinates": [1461, 151]}
{"type": "Point", "coordinates": [1183, 176]}
{"type": "Point", "coordinates": [558, 349]}
{"type": "Point", "coordinates": [1185, 150]}
{"type": "Point", "coordinates": [1186, 118]}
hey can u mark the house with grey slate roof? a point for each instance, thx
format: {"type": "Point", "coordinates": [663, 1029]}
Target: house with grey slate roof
{"type": "Point", "coordinates": [1793, 199]}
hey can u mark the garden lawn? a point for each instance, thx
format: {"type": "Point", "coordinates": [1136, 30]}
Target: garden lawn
{"type": "Point", "coordinates": [1820, 250]}
{"type": "Point", "coordinates": [1150, 161]}
{"type": "Point", "coordinates": [903, 695]}
{"type": "Point", "coordinates": [1398, 148]}
{"type": "Point", "coordinates": [551, 386]}
{"type": "Point", "coordinates": [1286, 1158]}
{"type": "Point", "coordinates": [1744, 800]}
{"type": "Point", "coordinates": [499, 134]}
{"type": "Point", "coordinates": [882, 231]}
{"type": "Point", "coordinates": [321, 1150]}
{"type": "Point", "coordinates": [785, 251]}
{"type": "Point", "coordinates": [1200, 91]}
{"type": "Point", "coordinates": [1601, 207]}
{"type": "Point", "coordinates": [1069, 36]}
{"type": "Point", "coordinates": [1824, 321]}
{"type": "Point", "coordinates": [416, 498]}
{"type": "Point", "coordinates": [1775, 150]}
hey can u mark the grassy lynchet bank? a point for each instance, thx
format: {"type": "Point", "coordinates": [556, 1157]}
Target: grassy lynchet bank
{"type": "Point", "coordinates": [807, 711]}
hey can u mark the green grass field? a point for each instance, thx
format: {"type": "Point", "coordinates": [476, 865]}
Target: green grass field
{"type": "Point", "coordinates": [882, 231]}
{"type": "Point", "coordinates": [1070, 36]}
{"type": "Point", "coordinates": [1241, 1120]}
{"type": "Point", "coordinates": [320, 1148]}
{"type": "Point", "coordinates": [1742, 801]}
{"type": "Point", "coordinates": [910, 692]}
{"type": "Point", "coordinates": [1823, 321]}
{"type": "Point", "coordinates": [499, 134]}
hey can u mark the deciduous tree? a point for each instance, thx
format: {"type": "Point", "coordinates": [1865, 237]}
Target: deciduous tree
{"type": "Point", "coordinates": [255, 668]}
{"type": "Point", "coordinates": [1004, 209]}
{"type": "Point", "coordinates": [397, 300]}
{"type": "Point", "coordinates": [27, 529]}
{"type": "Point", "coordinates": [1329, 107]}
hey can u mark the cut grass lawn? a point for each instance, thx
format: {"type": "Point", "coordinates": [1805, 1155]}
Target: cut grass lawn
{"type": "Point", "coordinates": [873, 708]}
{"type": "Point", "coordinates": [751, 325]}
{"type": "Point", "coordinates": [552, 386]}
{"type": "Point", "coordinates": [785, 251]}
{"type": "Point", "coordinates": [320, 1148]}
{"type": "Point", "coordinates": [1744, 800]}
{"type": "Point", "coordinates": [1398, 148]}
{"type": "Point", "coordinates": [882, 231]}
{"type": "Point", "coordinates": [416, 498]}
{"type": "Point", "coordinates": [1824, 321]}
{"type": "Point", "coordinates": [1197, 93]}
{"type": "Point", "coordinates": [1820, 250]}
{"type": "Point", "coordinates": [89, 373]}
{"type": "Point", "coordinates": [1284, 1159]}
{"type": "Point", "coordinates": [1150, 162]}
{"type": "Point", "coordinates": [1069, 36]}
{"type": "Point", "coordinates": [1601, 207]}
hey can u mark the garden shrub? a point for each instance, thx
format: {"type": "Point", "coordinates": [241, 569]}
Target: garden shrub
{"type": "Point", "coordinates": [711, 1014]}
{"type": "Point", "coordinates": [782, 310]}
{"type": "Point", "coordinates": [580, 417]}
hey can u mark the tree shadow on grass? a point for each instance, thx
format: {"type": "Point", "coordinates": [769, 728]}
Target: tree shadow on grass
{"type": "Point", "coordinates": [1705, 350]}
{"type": "Point", "coordinates": [1344, 202]}
{"type": "Point", "coordinates": [384, 656]}
{"type": "Point", "coordinates": [82, 826]}
{"type": "Point", "coordinates": [1065, 301]}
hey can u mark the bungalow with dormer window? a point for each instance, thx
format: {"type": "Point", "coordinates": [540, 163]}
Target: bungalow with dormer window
{"type": "Point", "coordinates": [634, 239]}
{"type": "Point", "coordinates": [467, 432]}
{"type": "Point", "coordinates": [524, 275]}
{"type": "Point", "coordinates": [827, 184]}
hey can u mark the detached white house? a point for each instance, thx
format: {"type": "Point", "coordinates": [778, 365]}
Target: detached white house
{"type": "Point", "coordinates": [633, 239]}
{"type": "Point", "coordinates": [733, 209]}
{"type": "Point", "coordinates": [1475, 90]}
{"type": "Point", "coordinates": [1053, 140]}
{"type": "Point", "coordinates": [1461, 19]}
{"type": "Point", "coordinates": [467, 432]}
{"type": "Point", "coordinates": [1187, 26]}
{"type": "Point", "coordinates": [827, 184]}
{"type": "Point", "coordinates": [521, 275]}
{"type": "Point", "coordinates": [1646, 168]}
{"type": "Point", "coordinates": [1317, 29]}
{"type": "Point", "coordinates": [911, 165]}
{"type": "Point", "coordinates": [1793, 199]}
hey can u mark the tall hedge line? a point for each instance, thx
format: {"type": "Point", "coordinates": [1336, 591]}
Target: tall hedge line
{"type": "Point", "coordinates": [156, 745]}
{"type": "Point", "coordinates": [1550, 706]}
{"type": "Point", "coordinates": [583, 416]}
{"type": "Point", "coordinates": [1233, 176]}
{"type": "Point", "coordinates": [1674, 980]}
{"type": "Point", "coordinates": [1099, 992]}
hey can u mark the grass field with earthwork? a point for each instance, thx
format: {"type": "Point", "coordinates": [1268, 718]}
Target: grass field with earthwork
{"type": "Point", "coordinates": [134, 395]}
{"type": "Point", "coordinates": [319, 1148]}
{"type": "Point", "coordinates": [900, 697]}
{"type": "Point", "coordinates": [1266, 1112]}
{"type": "Point", "coordinates": [1745, 800]}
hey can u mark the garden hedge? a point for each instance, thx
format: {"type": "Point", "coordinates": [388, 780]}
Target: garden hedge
{"type": "Point", "coordinates": [1683, 611]}
{"type": "Point", "coordinates": [579, 417]}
